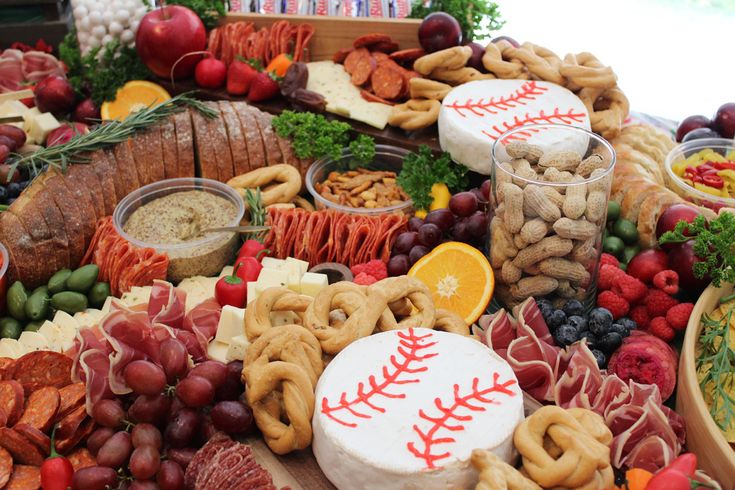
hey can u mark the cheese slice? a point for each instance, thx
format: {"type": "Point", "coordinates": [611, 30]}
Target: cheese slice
{"type": "Point", "coordinates": [17, 95]}
{"type": "Point", "coordinates": [272, 263]}
{"type": "Point", "coordinates": [252, 291]}
{"type": "Point", "coordinates": [313, 282]}
{"type": "Point", "coordinates": [237, 347]}
{"type": "Point", "coordinates": [33, 341]}
{"type": "Point", "coordinates": [11, 348]}
{"type": "Point", "coordinates": [217, 351]}
{"type": "Point", "coordinates": [41, 126]}
{"type": "Point", "coordinates": [68, 327]}
{"type": "Point", "coordinates": [137, 295]}
{"type": "Point", "coordinates": [89, 317]}
{"type": "Point", "coordinates": [231, 324]}
{"type": "Point", "coordinates": [53, 335]}
{"type": "Point", "coordinates": [301, 265]}
{"type": "Point", "coordinates": [271, 278]}
{"type": "Point", "coordinates": [28, 117]}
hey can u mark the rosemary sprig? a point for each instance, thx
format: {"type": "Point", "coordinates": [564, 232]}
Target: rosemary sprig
{"type": "Point", "coordinates": [258, 214]}
{"type": "Point", "coordinates": [717, 361]}
{"type": "Point", "coordinates": [107, 133]}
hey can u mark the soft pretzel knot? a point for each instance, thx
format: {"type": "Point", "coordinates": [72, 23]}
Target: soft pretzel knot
{"type": "Point", "coordinates": [460, 75]}
{"type": "Point", "coordinates": [449, 321]}
{"type": "Point", "coordinates": [362, 309]}
{"type": "Point", "coordinates": [423, 88]}
{"type": "Point", "coordinates": [280, 372]}
{"type": "Point", "coordinates": [496, 474]}
{"type": "Point", "coordinates": [278, 183]}
{"type": "Point", "coordinates": [399, 292]}
{"type": "Point", "coordinates": [415, 114]}
{"type": "Point", "coordinates": [559, 452]}
{"type": "Point", "coordinates": [541, 62]}
{"type": "Point", "coordinates": [608, 109]}
{"type": "Point", "coordinates": [273, 300]}
{"type": "Point", "coordinates": [497, 60]}
{"type": "Point", "coordinates": [449, 59]}
{"type": "Point", "coordinates": [585, 70]}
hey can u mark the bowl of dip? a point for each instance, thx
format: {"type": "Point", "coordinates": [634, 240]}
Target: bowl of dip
{"type": "Point", "coordinates": [170, 215]}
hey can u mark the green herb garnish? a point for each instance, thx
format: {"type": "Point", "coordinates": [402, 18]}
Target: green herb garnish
{"type": "Point", "coordinates": [363, 149]}
{"type": "Point", "coordinates": [477, 18]}
{"type": "Point", "coordinates": [713, 243]}
{"type": "Point", "coordinates": [258, 213]}
{"type": "Point", "coordinates": [421, 170]}
{"type": "Point", "coordinates": [210, 11]}
{"type": "Point", "coordinates": [717, 361]}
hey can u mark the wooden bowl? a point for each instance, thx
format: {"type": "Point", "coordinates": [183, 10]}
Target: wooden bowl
{"type": "Point", "coordinates": [704, 438]}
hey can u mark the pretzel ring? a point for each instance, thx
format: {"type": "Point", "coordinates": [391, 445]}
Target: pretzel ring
{"type": "Point", "coordinates": [584, 70]}
{"type": "Point", "coordinates": [257, 314]}
{"type": "Point", "coordinates": [450, 58]}
{"type": "Point", "coordinates": [302, 203]}
{"type": "Point", "coordinates": [397, 290]}
{"type": "Point", "coordinates": [281, 371]}
{"type": "Point", "coordinates": [278, 183]}
{"type": "Point", "coordinates": [496, 474]}
{"type": "Point", "coordinates": [423, 88]}
{"type": "Point", "coordinates": [460, 75]}
{"type": "Point", "coordinates": [607, 108]}
{"type": "Point", "coordinates": [415, 114]}
{"type": "Point", "coordinates": [540, 61]}
{"type": "Point", "coordinates": [494, 61]}
{"type": "Point", "coordinates": [449, 321]}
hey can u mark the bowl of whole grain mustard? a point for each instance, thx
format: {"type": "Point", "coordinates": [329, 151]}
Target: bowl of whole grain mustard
{"type": "Point", "coordinates": [171, 216]}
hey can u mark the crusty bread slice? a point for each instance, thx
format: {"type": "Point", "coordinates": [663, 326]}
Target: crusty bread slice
{"type": "Point", "coordinates": [77, 230]}
{"type": "Point", "coordinates": [168, 142]}
{"type": "Point", "coordinates": [22, 249]}
{"type": "Point", "coordinates": [126, 166]}
{"type": "Point", "coordinates": [621, 185]}
{"type": "Point", "coordinates": [103, 169]}
{"type": "Point", "coordinates": [650, 210]}
{"type": "Point", "coordinates": [140, 156]}
{"type": "Point", "coordinates": [223, 154]}
{"type": "Point", "coordinates": [634, 196]}
{"type": "Point", "coordinates": [238, 147]}
{"type": "Point", "coordinates": [55, 222]}
{"type": "Point", "coordinates": [264, 120]}
{"type": "Point", "coordinates": [87, 176]}
{"type": "Point", "coordinates": [204, 145]}
{"type": "Point", "coordinates": [185, 154]}
{"type": "Point", "coordinates": [117, 177]}
{"type": "Point", "coordinates": [155, 153]}
{"type": "Point", "coordinates": [251, 131]}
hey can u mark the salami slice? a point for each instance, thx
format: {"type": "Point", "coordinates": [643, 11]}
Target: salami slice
{"type": "Point", "coordinates": [41, 408]}
{"type": "Point", "coordinates": [385, 47]}
{"type": "Point", "coordinates": [69, 424]}
{"type": "Point", "coordinates": [63, 446]}
{"type": "Point", "coordinates": [20, 447]}
{"type": "Point", "coordinates": [81, 458]}
{"type": "Point", "coordinates": [363, 70]}
{"type": "Point", "coordinates": [3, 418]}
{"type": "Point", "coordinates": [387, 82]}
{"type": "Point", "coordinates": [407, 55]}
{"type": "Point", "coordinates": [370, 97]}
{"type": "Point", "coordinates": [371, 39]}
{"type": "Point", "coordinates": [71, 397]}
{"type": "Point", "coordinates": [11, 400]}
{"type": "Point", "coordinates": [341, 55]}
{"type": "Point", "coordinates": [24, 478]}
{"type": "Point", "coordinates": [6, 467]}
{"type": "Point", "coordinates": [35, 437]}
{"type": "Point", "coordinates": [42, 368]}
{"type": "Point", "coordinates": [353, 59]}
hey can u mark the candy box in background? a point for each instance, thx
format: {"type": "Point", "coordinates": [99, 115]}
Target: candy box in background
{"type": "Point", "coordinates": [342, 8]}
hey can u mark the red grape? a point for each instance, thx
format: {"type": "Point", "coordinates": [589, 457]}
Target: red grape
{"type": "Point", "coordinates": [481, 201]}
{"type": "Point", "coordinates": [430, 235]}
{"type": "Point", "coordinates": [405, 242]}
{"type": "Point", "coordinates": [144, 462]}
{"type": "Point", "coordinates": [108, 413]}
{"type": "Point", "coordinates": [699, 133]}
{"type": "Point", "coordinates": [150, 409]}
{"type": "Point", "coordinates": [182, 456]}
{"type": "Point", "coordinates": [98, 438]}
{"type": "Point", "coordinates": [115, 451]}
{"type": "Point", "coordinates": [232, 417]}
{"type": "Point", "coordinates": [182, 428]}
{"type": "Point", "coordinates": [145, 378]}
{"type": "Point", "coordinates": [477, 225]}
{"type": "Point", "coordinates": [414, 223]}
{"type": "Point", "coordinates": [461, 232]}
{"type": "Point", "coordinates": [232, 388]}
{"type": "Point", "coordinates": [510, 40]}
{"type": "Point", "coordinates": [724, 120]}
{"type": "Point", "coordinates": [398, 265]}
{"type": "Point", "coordinates": [170, 476]}
{"type": "Point", "coordinates": [485, 189]}
{"type": "Point", "coordinates": [463, 204]}
{"type": "Point", "coordinates": [174, 359]}
{"type": "Point", "coordinates": [416, 253]}
{"type": "Point", "coordinates": [4, 154]}
{"type": "Point", "coordinates": [443, 218]}
{"type": "Point", "coordinates": [195, 391]}
{"type": "Point", "coordinates": [690, 123]}
{"type": "Point", "coordinates": [143, 485]}
{"type": "Point", "coordinates": [146, 435]}
{"type": "Point", "coordinates": [214, 371]}
{"type": "Point", "coordinates": [94, 478]}
{"type": "Point", "coordinates": [475, 60]}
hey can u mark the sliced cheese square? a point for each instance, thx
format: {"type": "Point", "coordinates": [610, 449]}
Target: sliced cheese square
{"type": "Point", "coordinates": [89, 317]}
{"type": "Point", "coordinates": [32, 341]}
{"type": "Point", "coordinates": [236, 349]}
{"type": "Point", "coordinates": [272, 263]}
{"type": "Point", "coordinates": [231, 324]}
{"type": "Point", "coordinates": [271, 278]}
{"type": "Point", "coordinates": [137, 295]}
{"type": "Point", "coordinates": [53, 335]}
{"type": "Point", "coordinates": [11, 348]}
{"type": "Point", "coordinates": [313, 282]}
{"type": "Point", "coordinates": [68, 326]}
{"type": "Point", "coordinates": [217, 351]}
{"type": "Point", "coordinates": [41, 126]}
{"type": "Point", "coordinates": [301, 265]}
{"type": "Point", "coordinates": [252, 291]}
{"type": "Point", "coordinates": [28, 117]}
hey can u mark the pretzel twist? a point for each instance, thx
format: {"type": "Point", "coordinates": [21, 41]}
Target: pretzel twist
{"type": "Point", "coordinates": [460, 75]}
{"type": "Point", "coordinates": [280, 373]}
{"type": "Point", "coordinates": [541, 62]}
{"type": "Point", "coordinates": [415, 114]}
{"type": "Point", "coordinates": [257, 314]}
{"type": "Point", "coordinates": [449, 321]}
{"type": "Point", "coordinates": [496, 474]}
{"type": "Point", "coordinates": [423, 88]}
{"type": "Point", "coordinates": [404, 294]}
{"type": "Point", "coordinates": [278, 183]}
{"type": "Point", "coordinates": [585, 70]}
{"type": "Point", "coordinates": [450, 59]}
{"type": "Point", "coordinates": [497, 60]}
{"type": "Point", "coordinates": [608, 108]}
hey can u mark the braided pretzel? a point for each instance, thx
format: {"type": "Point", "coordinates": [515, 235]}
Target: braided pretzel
{"type": "Point", "coordinates": [495, 60]}
{"type": "Point", "coordinates": [257, 314]}
{"type": "Point", "coordinates": [281, 371]}
{"type": "Point", "coordinates": [450, 59]}
{"type": "Point", "coordinates": [279, 183]}
{"type": "Point", "coordinates": [415, 114]}
{"type": "Point", "coordinates": [496, 474]}
{"type": "Point", "coordinates": [608, 109]}
{"type": "Point", "coordinates": [449, 321]}
{"type": "Point", "coordinates": [423, 88]}
{"type": "Point", "coordinates": [541, 62]}
{"type": "Point", "coordinates": [558, 451]}
{"type": "Point", "coordinates": [460, 75]}
{"type": "Point", "coordinates": [396, 290]}
{"type": "Point", "coordinates": [585, 70]}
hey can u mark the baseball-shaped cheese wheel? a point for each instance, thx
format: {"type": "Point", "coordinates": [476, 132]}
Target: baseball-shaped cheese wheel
{"type": "Point", "coordinates": [405, 408]}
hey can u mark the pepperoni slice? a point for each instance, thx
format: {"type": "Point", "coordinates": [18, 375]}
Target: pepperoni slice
{"type": "Point", "coordinates": [42, 368]}
{"type": "Point", "coordinates": [41, 408]}
{"type": "Point", "coordinates": [371, 39]}
{"type": "Point", "coordinates": [11, 400]}
{"type": "Point", "coordinates": [71, 397]}
{"type": "Point", "coordinates": [24, 478]}
{"type": "Point", "coordinates": [84, 430]}
{"type": "Point", "coordinates": [387, 82]}
{"type": "Point", "coordinates": [371, 97]}
{"type": "Point", "coordinates": [407, 55]}
{"type": "Point", "coordinates": [69, 424]}
{"type": "Point", "coordinates": [35, 437]}
{"type": "Point", "coordinates": [363, 70]}
{"type": "Point", "coordinates": [340, 56]}
{"type": "Point", "coordinates": [6, 369]}
{"type": "Point", "coordinates": [20, 447]}
{"type": "Point", "coordinates": [6, 467]}
{"type": "Point", "coordinates": [385, 47]}
{"type": "Point", "coordinates": [353, 59]}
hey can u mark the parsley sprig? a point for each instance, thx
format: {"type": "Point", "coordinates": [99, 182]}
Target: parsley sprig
{"type": "Point", "coordinates": [422, 169]}
{"type": "Point", "coordinates": [714, 243]}
{"type": "Point", "coordinates": [717, 361]}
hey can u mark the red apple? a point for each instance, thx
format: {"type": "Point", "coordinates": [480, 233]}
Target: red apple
{"type": "Point", "coordinates": [647, 263]}
{"type": "Point", "coordinates": [54, 94]}
{"type": "Point", "coordinates": [87, 112]}
{"type": "Point", "coordinates": [165, 35]}
{"type": "Point", "coordinates": [65, 132]}
{"type": "Point", "coordinates": [475, 60]}
{"type": "Point", "coordinates": [210, 73]}
{"type": "Point", "coordinates": [682, 259]}
{"type": "Point", "coordinates": [724, 121]}
{"type": "Point", "coordinates": [512, 41]}
{"type": "Point", "coordinates": [690, 123]}
{"type": "Point", "coordinates": [438, 31]}
{"type": "Point", "coordinates": [669, 218]}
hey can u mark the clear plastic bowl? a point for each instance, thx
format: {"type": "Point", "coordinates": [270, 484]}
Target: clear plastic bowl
{"type": "Point", "coordinates": [202, 257]}
{"type": "Point", "coordinates": [386, 158]}
{"type": "Point", "coordinates": [685, 150]}
{"type": "Point", "coordinates": [5, 257]}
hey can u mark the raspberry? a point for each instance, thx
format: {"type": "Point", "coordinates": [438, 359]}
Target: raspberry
{"type": "Point", "coordinates": [617, 305]}
{"type": "Point", "coordinates": [609, 259]}
{"type": "Point", "coordinates": [667, 281]}
{"type": "Point", "coordinates": [661, 329]}
{"type": "Point", "coordinates": [375, 268]}
{"type": "Point", "coordinates": [607, 277]}
{"type": "Point", "coordinates": [639, 314]}
{"type": "Point", "coordinates": [658, 303]}
{"type": "Point", "coordinates": [364, 279]}
{"type": "Point", "coordinates": [630, 288]}
{"type": "Point", "coordinates": [678, 316]}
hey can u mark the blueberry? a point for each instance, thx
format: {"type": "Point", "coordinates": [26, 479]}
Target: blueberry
{"type": "Point", "coordinates": [628, 323]}
{"type": "Point", "coordinates": [11, 200]}
{"type": "Point", "coordinates": [3, 194]}
{"type": "Point", "coordinates": [610, 342]}
{"type": "Point", "coordinates": [573, 308]}
{"type": "Point", "coordinates": [566, 335]}
{"type": "Point", "coordinates": [556, 318]}
{"type": "Point", "coordinates": [546, 307]}
{"type": "Point", "coordinates": [13, 189]}
{"type": "Point", "coordinates": [620, 329]}
{"type": "Point", "coordinates": [578, 322]}
{"type": "Point", "coordinates": [600, 358]}
{"type": "Point", "coordinates": [591, 338]}
{"type": "Point", "coordinates": [23, 184]}
{"type": "Point", "coordinates": [600, 320]}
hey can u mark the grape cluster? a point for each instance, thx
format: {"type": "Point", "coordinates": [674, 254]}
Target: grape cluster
{"type": "Point", "coordinates": [465, 220]}
{"type": "Point", "coordinates": [147, 438]}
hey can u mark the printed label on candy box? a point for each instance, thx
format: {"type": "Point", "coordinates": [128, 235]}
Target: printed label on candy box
{"type": "Point", "coordinates": [405, 409]}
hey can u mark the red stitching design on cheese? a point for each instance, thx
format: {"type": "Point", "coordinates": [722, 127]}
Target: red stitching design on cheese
{"type": "Point", "coordinates": [557, 117]}
{"type": "Point", "coordinates": [481, 107]}
{"type": "Point", "coordinates": [410, 347]}
{"type": "Point", "coordinates": [447, 414]}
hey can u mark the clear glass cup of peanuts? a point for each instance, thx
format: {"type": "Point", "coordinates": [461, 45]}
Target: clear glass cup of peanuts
{"type": "Point", "coordinates": [548, 208]}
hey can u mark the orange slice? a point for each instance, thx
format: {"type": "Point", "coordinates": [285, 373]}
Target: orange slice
{"type": "Point", "coordinates": [460, 279]}
{"type": "Point", "coordinates": [133, 96]}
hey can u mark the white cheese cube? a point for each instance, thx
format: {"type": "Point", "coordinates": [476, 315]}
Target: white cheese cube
{"type": "Point", "coordinates": [89, 317]}
{"type": "Point", "coordinates": [217, 351]}
{"type": "Point", "coordinates": [137, 295]}
{"type": "Point", "coordinates": [294, 280]}
{"type": "Point", "coordinates": [271, 278]}
{"type": "Point", "coordinates": [11, 108]}
{"type": "Point", "coordinates": [272, 263]}
{"type": "Point", "coordinates": [16, 95]}
{"type": "Point", "coordinates": [231, 324]}
{"type": "Point", "coordinates": [313, 282]}
{"type": "Point", "coordinates": [252, 291]}
{"type": "Point", "coordinates": [236, 349]}
{"type": "Point", "coordinates": [42, 125]}
{"type": "Point", "coordinates": [52, 333]}
{"type": "Point", "coordinates": [302, 265]}
{"type": "Point", "coordinates": [32, 341]}
{"type": "Point", "coordinates": [68, 327]}
{"type": "Point", "coordinates": [28, 117]}
{"type": "Point", "coordinates": [13, 348]}
{"type": "Point", "coordinates": [107, 305]}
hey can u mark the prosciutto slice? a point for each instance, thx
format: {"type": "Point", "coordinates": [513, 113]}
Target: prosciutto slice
{"type": "Point", "coordinates": [11, 70]}
{"type": "Point", "coordinates": [19, 69]}
{"type": "Point", "coordinates": [96, 365]}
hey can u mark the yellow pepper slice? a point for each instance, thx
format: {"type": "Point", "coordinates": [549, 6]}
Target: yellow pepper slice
{"type": "Point", "coordinates": [707, 189]}
{"type": "Point", "coordinates": [440, 193]}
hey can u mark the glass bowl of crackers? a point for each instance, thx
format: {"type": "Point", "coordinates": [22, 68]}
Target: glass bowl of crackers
{"type": "Point", "coordinates": [347, 185]}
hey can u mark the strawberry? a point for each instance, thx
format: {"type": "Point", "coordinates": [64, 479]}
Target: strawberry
{"type": "Point", "coordinates": [264, 87]}
{"type": "Point", "coordinates": [240, 76]}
